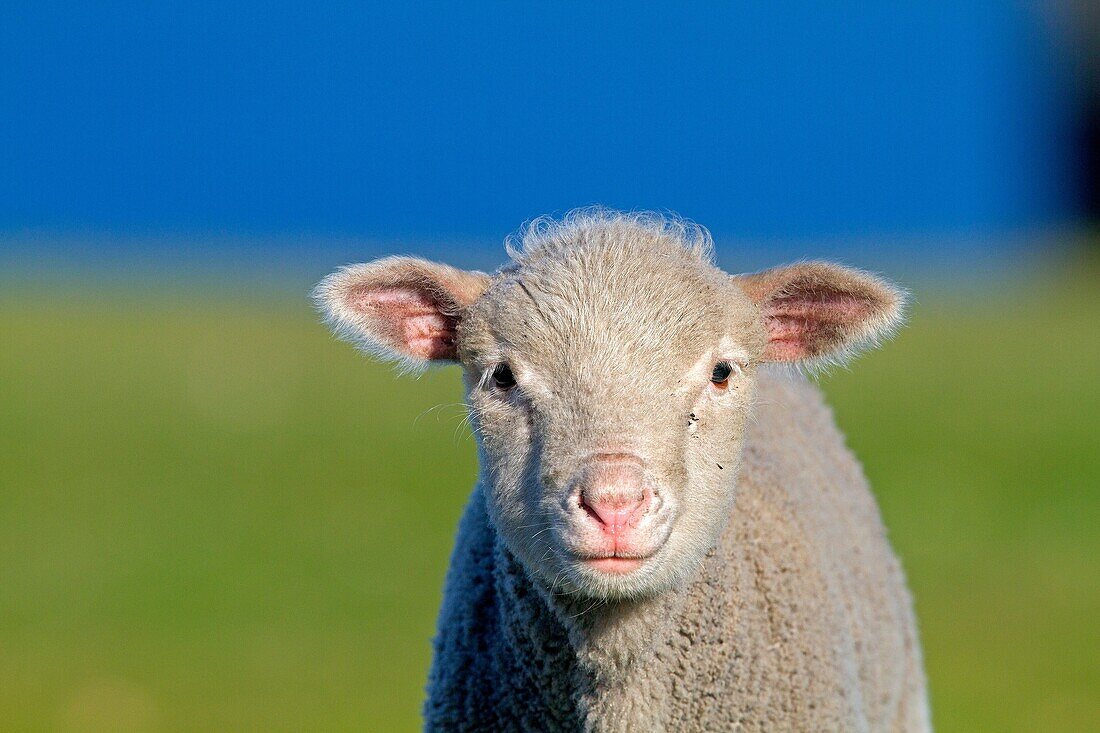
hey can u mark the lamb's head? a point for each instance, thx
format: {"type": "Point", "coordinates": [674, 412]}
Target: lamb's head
{"type": "Point", "coordinates": [610, 370]}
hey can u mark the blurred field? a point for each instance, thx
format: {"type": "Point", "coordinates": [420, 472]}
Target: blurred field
{"type": "Point", "coordinates": [213, 517]}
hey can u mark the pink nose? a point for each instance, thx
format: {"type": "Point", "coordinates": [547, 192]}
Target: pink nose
{"type": "Point", "coordinates": [613, 491]}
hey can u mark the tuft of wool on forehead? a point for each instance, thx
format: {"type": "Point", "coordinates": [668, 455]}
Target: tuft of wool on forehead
{"type": "Point", "coordinates": [626, 234]}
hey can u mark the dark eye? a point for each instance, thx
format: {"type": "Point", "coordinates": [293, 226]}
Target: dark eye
{"type": "Point", "coordinates": [503, 377]}
{"type": "Point", "coordinates": [720, 377]}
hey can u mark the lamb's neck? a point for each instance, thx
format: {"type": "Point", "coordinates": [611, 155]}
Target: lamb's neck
{"type": "Point", "coordinates": [619, 687]}
{"type": "Point", "coordinates": [606, 648]}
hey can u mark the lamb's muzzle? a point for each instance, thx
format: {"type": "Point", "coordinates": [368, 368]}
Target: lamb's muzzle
{"type": "Point", "coordinates": [610, 506]}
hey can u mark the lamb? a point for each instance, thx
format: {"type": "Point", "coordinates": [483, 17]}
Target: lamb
{"type": "Point", "coordinates": [667, 532]}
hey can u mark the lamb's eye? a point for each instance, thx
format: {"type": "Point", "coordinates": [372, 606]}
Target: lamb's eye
{"type": "Point", "coordinates": [503, 377]}
{"type": "Point", "coordinates": [720, 377]}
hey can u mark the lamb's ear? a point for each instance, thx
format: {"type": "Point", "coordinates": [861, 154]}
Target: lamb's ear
{"type": "Point", "coordinates": [817, 313]}
{"type": "Point", "coordinates": [400, 308]}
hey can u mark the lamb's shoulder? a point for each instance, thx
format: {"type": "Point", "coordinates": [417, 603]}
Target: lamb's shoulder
{"type": "Point", "coordinates": [466, 628]}
{"type": "Point", "coordinates": [765, 631]}
{"type": "Point", "coordinates": [796, 460]}
{"type": "Point", "coordinates": [816, 591]}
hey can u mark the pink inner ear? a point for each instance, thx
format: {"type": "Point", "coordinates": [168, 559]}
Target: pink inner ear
{"type": "Point", "coordinates": [413, 322]}
{"type": "Point", "coordinates": [805, 325]}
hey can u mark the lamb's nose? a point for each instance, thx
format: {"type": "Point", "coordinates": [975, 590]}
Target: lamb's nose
{"type": "Point", "coordinates": [613, 491]}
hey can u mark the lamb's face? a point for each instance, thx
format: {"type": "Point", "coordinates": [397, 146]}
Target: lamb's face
{"type": "Point", "coordinates": [609, 399]}
{"type": "Point", "coordinates": [610, 373]}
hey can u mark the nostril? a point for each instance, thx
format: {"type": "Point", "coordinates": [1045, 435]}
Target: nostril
{"type": "Point", "coordinates": [616, 510]}
{"type": "Point", "coordinates": [589, 509]}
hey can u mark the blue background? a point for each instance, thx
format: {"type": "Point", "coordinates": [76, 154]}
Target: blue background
{"type": "Point", "coordinates": [455, 122]}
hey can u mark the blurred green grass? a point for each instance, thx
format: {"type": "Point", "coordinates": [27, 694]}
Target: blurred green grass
{"type": "Point", "coordinates": [213, 517]}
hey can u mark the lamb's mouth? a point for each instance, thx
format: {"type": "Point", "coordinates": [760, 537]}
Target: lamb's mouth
{"type": "Point", "coordinates": [615, 564]}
